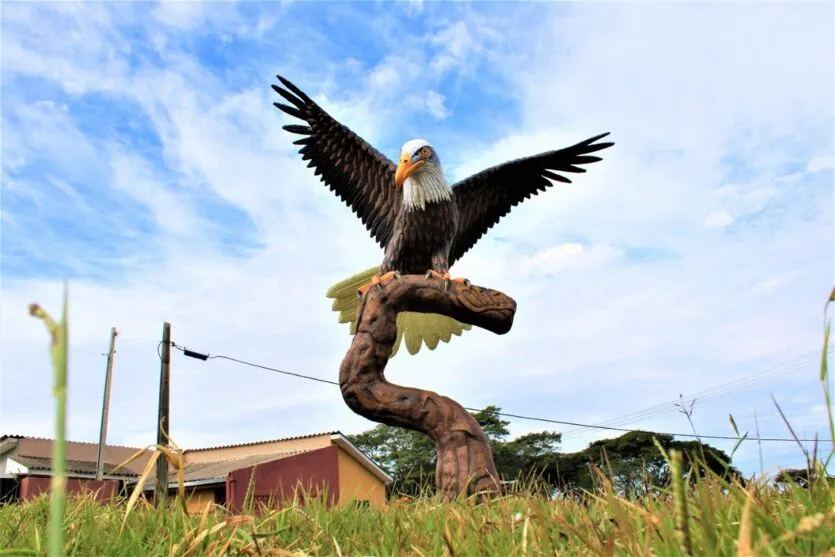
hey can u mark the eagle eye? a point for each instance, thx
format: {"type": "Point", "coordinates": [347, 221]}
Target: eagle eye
{"type": "Point", "coordinates": [425, 152]}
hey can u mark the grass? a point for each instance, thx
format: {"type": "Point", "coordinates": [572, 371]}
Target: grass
{"type": "Point", "coordinates": [58, 339]}
{"type": "Point", "coordinates": [723, 520]}
{"type": "Point", "coordinates": [695, 516]}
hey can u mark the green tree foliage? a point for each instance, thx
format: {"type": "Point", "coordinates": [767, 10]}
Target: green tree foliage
{"type": "Point", "coordinates": [410, 456]}
{"type": "Point", "coordinates": [801, 477]}
{"type": "Point", "coordinates": [632, 460]}
{"type": "Point", "coordinates": [634, 463]}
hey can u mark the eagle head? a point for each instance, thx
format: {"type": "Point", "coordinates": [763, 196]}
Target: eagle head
{"type": "Point", "coordinates": [416, 157]}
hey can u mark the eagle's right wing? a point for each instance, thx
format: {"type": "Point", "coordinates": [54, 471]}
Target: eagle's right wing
{"type": "Point", "coordinates": [359, 174]}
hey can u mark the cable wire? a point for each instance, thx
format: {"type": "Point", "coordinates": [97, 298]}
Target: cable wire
{"type": "Point", "coordinates": [507, 414]}
{"type": "Point", "coordinates": [707, 394]}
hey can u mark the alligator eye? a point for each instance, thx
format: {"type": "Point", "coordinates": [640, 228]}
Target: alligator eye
{"type": "Point", "coordinates": [425, 152]}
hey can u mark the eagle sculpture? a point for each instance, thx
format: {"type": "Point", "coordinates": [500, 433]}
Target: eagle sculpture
{"type": "Point", "coordinates": [423, 223]}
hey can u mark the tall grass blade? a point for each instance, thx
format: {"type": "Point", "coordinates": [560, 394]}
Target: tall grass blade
{"type": "Point", "coordinates": [824, 377]}
{"type": "Point", "coordinates": [680, 498]}
{"type": "Point", "coordinates": [58, 484]}
{"type": "Point", "coordinates": [137, 491]}
{"type": "Point", "coordinates": [743, 542]}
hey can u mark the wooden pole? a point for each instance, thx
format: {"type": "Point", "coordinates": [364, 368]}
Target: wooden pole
{"type": "Point", "coordinates": [161, 490]}
{"type": "Point", "coordinates": [105, 409]}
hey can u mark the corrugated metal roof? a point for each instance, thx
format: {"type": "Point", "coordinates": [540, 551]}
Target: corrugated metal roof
{"type": "Point", "coordinates": [201, 470]}
{"type": "Point", "coordinates": [72, 466]}
{"type": "Point", "coordinates": [15, 436]}
{"type": "Point", "coordinates": [220, 468]}
{"type": "Point", "coordinates": [264, 442]}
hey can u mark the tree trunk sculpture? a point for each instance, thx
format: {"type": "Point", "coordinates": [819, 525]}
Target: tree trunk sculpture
{"type": "Point", "coordinates": [465, 462]}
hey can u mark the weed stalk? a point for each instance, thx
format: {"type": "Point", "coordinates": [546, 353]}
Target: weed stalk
{"type": "Point", "coordinates": [58, 495]}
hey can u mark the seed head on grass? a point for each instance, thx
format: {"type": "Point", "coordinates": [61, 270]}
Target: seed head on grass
{"type": "Point", "coordinates": [58, 350]}
{"type": "Point", "coordinates": [680, 496]}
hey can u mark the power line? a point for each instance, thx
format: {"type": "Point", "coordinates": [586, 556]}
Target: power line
{"type": "Point", "coordinates": [204, 357]}
{"type": "Point", "coordinates": [707, 394]}
{"type": "Point", "coordinates": [299, 375]}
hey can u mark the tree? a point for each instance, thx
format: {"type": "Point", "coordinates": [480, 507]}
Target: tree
{"type": "Point", "coordinates": [409, 456]}
{"type": "Point", "coordinates": [524, 457]}
{"type": "Point", "coordinates": [801, 477]}
{"type": "Point", "coordinates": [567, 472]}
{"type": "Point", "coordinates": [495, 428]}
{"type": "Point", "coordinates": [632, 460]}
{"type": "Point", "coordinates": [634, 463]}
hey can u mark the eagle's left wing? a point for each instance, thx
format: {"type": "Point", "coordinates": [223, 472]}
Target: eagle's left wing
{"type": "Point", "coordinates": [484, 198]}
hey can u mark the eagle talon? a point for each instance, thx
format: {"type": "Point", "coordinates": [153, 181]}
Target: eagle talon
{"type": "Point", "coordinates": [376, 280]}
{"type": "Point", "coordinates": [446, 284]}
{"type": "Point", "coordinates": [432, 273]}
{"type": "Point", "coordinates": [361, 291]}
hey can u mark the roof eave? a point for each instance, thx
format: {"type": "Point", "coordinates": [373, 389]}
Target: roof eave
{"type": "Point", "coordinates": [8, 443]}
{"type": "Point", "coordinates": [220, 480]}
{"type": "Point", "coordinates": [344, 443]}
{"type": "Point", "coordinates": [75, 475]}
{"type": "Point", "coordinates": [265, 442]}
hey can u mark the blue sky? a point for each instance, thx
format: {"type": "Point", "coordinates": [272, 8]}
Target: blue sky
{"type": "Point", "coordinates": [143, 160]}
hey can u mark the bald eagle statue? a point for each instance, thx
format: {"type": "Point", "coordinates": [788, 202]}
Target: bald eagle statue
{"type": "Point", "coordinates": [423, 223]}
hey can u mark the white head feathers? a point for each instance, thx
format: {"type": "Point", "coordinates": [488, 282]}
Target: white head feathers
{"type": "Point", "coordinates": [413, 146]}
{"type": "Point", "coordinates": [427, 184]}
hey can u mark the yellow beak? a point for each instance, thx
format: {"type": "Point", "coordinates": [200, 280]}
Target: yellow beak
{"type": "Point", "coordinates": [405, 169]}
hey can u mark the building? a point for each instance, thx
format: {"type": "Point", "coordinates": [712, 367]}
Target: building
{"type": "Point", "coordinates": [26, 468]}
{"type": "Point", "coordinates": [325, 464]}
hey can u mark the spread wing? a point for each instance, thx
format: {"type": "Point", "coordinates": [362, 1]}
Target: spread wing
{"type": "Point", "coordinates": [359, 174]}
{"type": "Point", "coordinates": [484, 198]}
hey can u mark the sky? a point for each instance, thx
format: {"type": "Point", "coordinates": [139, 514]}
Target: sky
{"type": "Point", "coordinates": [143, 161]}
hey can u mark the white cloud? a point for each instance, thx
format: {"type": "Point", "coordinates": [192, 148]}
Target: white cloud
{"type": "Point", "coordinates": [718, 219]}
{"type": "Point", "coordinates": [435, 105]}
{"type": "Point", "coordinates": [185, 15]}
{"type": "Point", "coordinates": [456, 43]}
{"type": "Point", "coordinates": [566, 256]}
{"type": "Point", "coordinates": [818, 164]}
{"type": "Point", "coordinates": [174, 215]}
{"type": "Point", "coordinates": [414, 7]}
{"type": "Point", "coordinates": [770, 285]}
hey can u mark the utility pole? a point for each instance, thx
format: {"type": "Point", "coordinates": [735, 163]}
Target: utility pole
{"type": "Point", "coordinates": [161, 490]}
{"type": "Point", "coordinates": [105, 409]}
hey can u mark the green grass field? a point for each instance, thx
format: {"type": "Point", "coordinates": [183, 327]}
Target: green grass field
{"type": "Point", "coordinates": [721, 520]}
{"type": "Point", "coordinates": [696, 516]}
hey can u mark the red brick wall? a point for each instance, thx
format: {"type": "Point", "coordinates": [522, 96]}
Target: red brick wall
{"type": "Point", "coordinates": [32, 486]}
{"type": "Point", "coordinates": [315, 470]}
